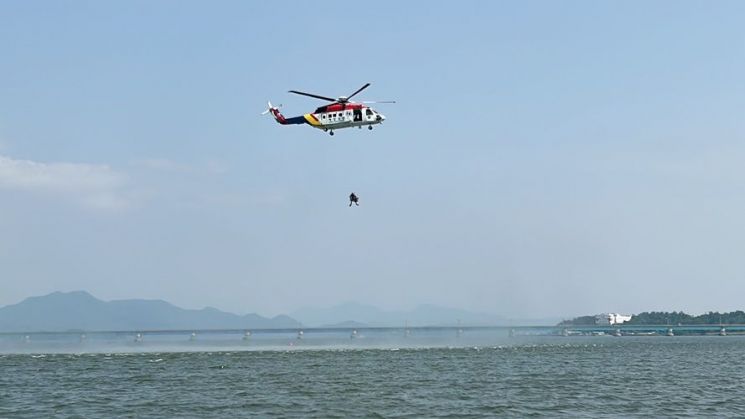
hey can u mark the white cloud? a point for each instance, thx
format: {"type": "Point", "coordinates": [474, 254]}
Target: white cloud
{"type": "Point", "coordinates": [92, 185]}
{"type": "Point", "coordinates": [164, 165]}
{"type": "Point", "coordinates": [212, 167]}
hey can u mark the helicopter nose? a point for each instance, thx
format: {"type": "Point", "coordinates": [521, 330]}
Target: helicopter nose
{"type": "Point", "coordinates": [381, 117]}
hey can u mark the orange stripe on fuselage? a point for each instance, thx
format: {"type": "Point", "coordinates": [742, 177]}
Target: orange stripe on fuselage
{"type": "Point", "coordinates": [312, 119]}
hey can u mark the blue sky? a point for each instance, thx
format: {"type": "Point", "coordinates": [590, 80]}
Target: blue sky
{"type": "Point", "coordinates": [543, 159]}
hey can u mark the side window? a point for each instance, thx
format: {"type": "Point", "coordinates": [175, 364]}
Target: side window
{"type": "Point", "coordinates": [368, 112]}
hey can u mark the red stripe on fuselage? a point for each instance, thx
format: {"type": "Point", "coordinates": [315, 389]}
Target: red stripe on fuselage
{"type": "Point", "coordinates": [336, 107]}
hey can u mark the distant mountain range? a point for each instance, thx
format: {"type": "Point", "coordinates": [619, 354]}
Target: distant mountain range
{"type": "Point", "coordinates": [424, 315]}
{"type": "Point", "coordinates": [78, 310]}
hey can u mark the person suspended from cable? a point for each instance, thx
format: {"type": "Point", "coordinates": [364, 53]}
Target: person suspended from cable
{"type": "Point", "coordinates": [353, 199]}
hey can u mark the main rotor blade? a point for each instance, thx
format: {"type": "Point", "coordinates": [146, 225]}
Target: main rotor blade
{"type": "Point", "coordinates": [312, 95]}
{"type": "Point", "coordinates": [378, 101]}
{"type": "Point", "coordinates": [358, 90]}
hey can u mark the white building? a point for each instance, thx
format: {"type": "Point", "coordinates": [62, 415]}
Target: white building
{"type": "Point", "coordinates": [611, 318]}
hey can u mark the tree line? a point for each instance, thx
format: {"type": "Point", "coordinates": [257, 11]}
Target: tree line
{"type": "Point", "coordinates": [671, 318]}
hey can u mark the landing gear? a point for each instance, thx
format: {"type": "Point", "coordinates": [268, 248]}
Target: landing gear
{"type": "Point", "coordinates": [331, 132]}
{"type": "Point", "coordinates": [369, 127]}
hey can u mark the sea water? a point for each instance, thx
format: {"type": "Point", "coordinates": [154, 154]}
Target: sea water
{"type": "Point", "coordinates": [334, 375]}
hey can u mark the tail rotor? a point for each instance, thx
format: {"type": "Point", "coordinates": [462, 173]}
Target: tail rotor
{"type": "Point", "coordinates": [270, 108]}
{"type": "Point", "coordinates": [274, 110]}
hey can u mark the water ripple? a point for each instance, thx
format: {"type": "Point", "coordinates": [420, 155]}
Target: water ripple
{"type": "Point", "coordinates": [645, 377]}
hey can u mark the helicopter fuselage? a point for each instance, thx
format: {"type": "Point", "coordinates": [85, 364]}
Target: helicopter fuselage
{"type": "Point", "coordinates": [341, 113]}
{"type": "Point", "coordinates": [335, 116]}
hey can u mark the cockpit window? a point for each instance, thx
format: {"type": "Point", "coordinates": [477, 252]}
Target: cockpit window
{"type": "Point", "coordinates": [368, 112]}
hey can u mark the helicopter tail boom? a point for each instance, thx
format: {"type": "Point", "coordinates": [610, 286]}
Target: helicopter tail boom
{"type": "Point", "coordinates": [275, 113]}
{"type": "Point", "coordinates": [274, 110]}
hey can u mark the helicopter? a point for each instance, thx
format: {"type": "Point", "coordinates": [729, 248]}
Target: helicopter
{"type": "Point", "coordinates": [340, 113]}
